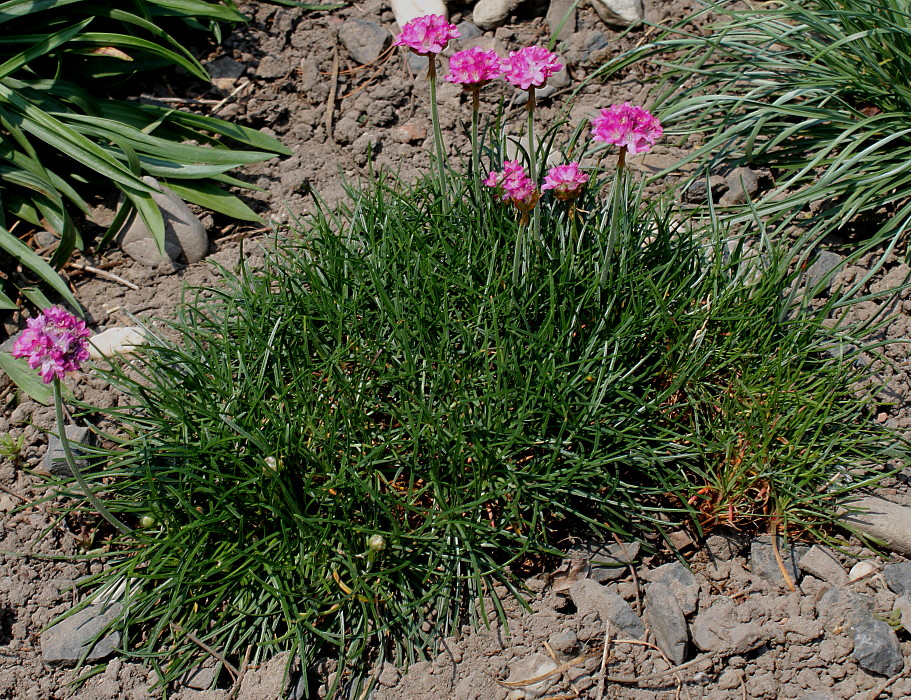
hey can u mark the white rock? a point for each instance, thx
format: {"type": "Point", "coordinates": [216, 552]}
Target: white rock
{"type": "Point", "coordinates": [862, 569]}
{"type": "Point", "coordinates": [882, 520]}
{"type": "Point", "coordinates": [116, 341]}
{"type": "Point", "coordinates": [407, 10]}
{"type": "Point", "coordinates": [488, 14]}
{"type": "Point", "coordinates": [620, 12]}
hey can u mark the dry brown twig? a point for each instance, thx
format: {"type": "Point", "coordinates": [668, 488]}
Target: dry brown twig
{"type": "Point", "coordinates": [235, 689]}
{"type": "Point", "coordinates": [879, 689]}
{"type": "Point", "coordinates": [602, 672]}
{"type": "Point", "coordinates": [333, 88]}
{"type": "Point", "coordinates": [206, 648]}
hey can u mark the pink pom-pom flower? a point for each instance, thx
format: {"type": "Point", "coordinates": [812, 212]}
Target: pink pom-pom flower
{"type": "Point", "coordinates": [530, 67]}
{"type": "Point", "coordinates": [628, 126]}
{"type": "Point", "coordinates": [55, 341]}
{"type": "Point", "coordinates": [474, 68]}
{"type": "Point", "coordinates": [565, 180]}
{"type": "Point", "coordinates": [427, 34]}
{"type": "Point", "coordinates": [513, 184]}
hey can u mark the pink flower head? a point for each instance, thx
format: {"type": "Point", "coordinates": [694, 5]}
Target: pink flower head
{"type": "Point", "coordinates": [474, 68]}
{"type": "Point", "coordinates": [56, 341]}
{"type": "Point", "coordinates": [427, 34]}
{"type": "Point", "coordinates": [565, 180]}
{"type": "Point", "coordinates": [512, 184]}
{"type": "Point", "coordinates": [629, 126]}
{"type": "Point", "coordinates": [530, 66]}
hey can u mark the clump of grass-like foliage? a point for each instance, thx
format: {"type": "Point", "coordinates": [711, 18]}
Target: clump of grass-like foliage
{"type": "Point", "coordinates": [410, 399]}
{"type": "Point", "coordinates": [815, 90]}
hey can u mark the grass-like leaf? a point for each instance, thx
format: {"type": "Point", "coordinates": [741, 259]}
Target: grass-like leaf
{"type": "Point", "coordinates": [411, 401]}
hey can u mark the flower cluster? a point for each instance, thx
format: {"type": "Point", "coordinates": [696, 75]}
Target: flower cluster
{"type": "Point", "coordinates": [474, 68]}
{"type": "Point", "coordinates": [565, 180]}
{"type": "Point", "coordinates": [628, 126]}
{"type": "Point", "coordinates": [530, 67]}
{"type": "Point", "coordinates": [512, 184]}
{"type": "Point", "coordinates": [56, 341]}
{"type": "Point", "coordinates": [427, 34]}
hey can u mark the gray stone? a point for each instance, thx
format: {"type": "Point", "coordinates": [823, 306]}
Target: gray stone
{"type": "Point", "coordinates": [881, 519]}
{"type": "Point", "coordinates": [825, 263]}
{"type": "Point", "coordinates": [224, 72]}
{"type": "Point", "coordinates": [717, 630]}
{"type": "Point", "coordinates": [724, 544]}
{"type": "Point", "coordinates": [606, 561]}
{"type": "Point", "coordinates": [54, 459]}
{"type": "Point", "coordinates": [698, 191]}
{"type": "Point", "coordinates": [763, 562]}
{"type": "Point", "coordinates": [417, 64]}
{"type": "Point", "coordinates": [273, 67]}
{"type": "Point", "coordinates": [876, 647]}
{"type": "Point", "coordinates": [468, 30]}
{"type": "Point", "coordinates": [561, 18]}
{"type": "Point", "coordinates": [184, 233]}
{"type": "Point", "coordinates": [680, 581]}
{"type": "Point", "coordinates": [407, 10]}
{"type": "Point", "coordinates": [667, 622]}
{"type": "Point", "coordinates": [564, 642]}
{"type": "Point", "coordinates": [364, 39]}
{"type": "Point", "coordinates": [621, 13]}
{"type": "Point", "coordinates": [822, 564]}
{"type": "Point", "coordinates": [488, 14]}
{"type": "Point", "coordinates": [898, 578]}
{"type": "Point", "coordinates": [591, 596]}
{"type": "Point", "coordinates": [903, 605]}
{"type": "Point", "coordinates": [742, 184]}
{"type": "Point", "coordinates": [840, 605]}
{"type": "Point", "coordinates": [199, 677]}
{"type": "Point", "coordinates": [65, 643]}
{"type": "Point", "coordinates": [529, 667]}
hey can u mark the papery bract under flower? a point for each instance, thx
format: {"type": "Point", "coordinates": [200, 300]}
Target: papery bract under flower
{"type": "Point", "coordinates": [565, 180]}
{"type": "Point", "coordinates": [530, 67]}
{"type": "Point", "coordinates": [55, 341]}
{"type": "Point", "coordinates": [512, 184]}
{"type": "Point", "coordinates": [427, 34]}
{"type": "Point", "coordinates": [628, 126]}
{"type": "Point", "coordinates": [474, 67]}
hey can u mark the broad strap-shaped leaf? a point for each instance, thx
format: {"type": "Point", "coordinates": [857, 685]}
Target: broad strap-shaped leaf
{"type": "Point", "coordinates": [211, 197]}
{"type": "Point", "coordinates": [30, 259]}
{"type": "Point", "coordinates": [195, 8]}
{"type": "Point", "coordinates": [144, 143]}
{"type": "Point", "coordinates": [26, 378]}
{"type": "Point", "coordinates": [124, 40]}
{"type": "Point", "coordinates": [44, 46]}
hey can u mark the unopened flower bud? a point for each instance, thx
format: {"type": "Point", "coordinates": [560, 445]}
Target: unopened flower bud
{"type": "Point", "coordinates": [376, 543]}
{"type": "Point", "coordinates": [147, 521]}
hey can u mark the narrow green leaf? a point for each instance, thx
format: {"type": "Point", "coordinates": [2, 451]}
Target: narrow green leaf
{"type": "Point", "coordinates": [45, 46]}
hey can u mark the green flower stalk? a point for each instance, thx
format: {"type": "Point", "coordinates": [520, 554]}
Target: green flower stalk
{"type": "Point", "coordinates": [427, 36]}
{"type": "Point", "coordinates": [56, 342]}
{"type": "Point", "coordinates": [529, 68]}
{"type": "Point", "coordinates": [473, 69]}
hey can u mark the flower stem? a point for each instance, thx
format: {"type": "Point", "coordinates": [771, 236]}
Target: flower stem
{"type": "Point", "coordinates": [74, 468]}
{"type": "Point", "coordinates": [532, 155]}
{"type": "Point", "coordinates": [475, 155]}
{"type": "Point", "coordinates": [435, 119]}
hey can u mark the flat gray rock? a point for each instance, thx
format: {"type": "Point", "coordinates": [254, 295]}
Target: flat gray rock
{"type": "Point", "coordinates": [825, 263]}
{"type": "Point", "coordinates": [680, 581]}
{"type": "Point", "coordinates": [898, 578]}
{"type": "Point", "coordinates": [882, 519]}
{"type": "Point", "coordinates": [742, 184]}
{"type": "Point", "coordinates": [364, 39]}
{"type": "Point", "coordinates": [876, 647]}
{"type": "Point", "coordinates": [821, 563]}
{"type": "Point", "coordinates": [65, 643]}
{"type": "Point", "coordinates": [763, 562]}
{"type": "Point", "coordinates": [666, 621]}
{"type": "Point", "coordinates": [54, 459]}
{"type": "Point", "coordinates": [589, 596]}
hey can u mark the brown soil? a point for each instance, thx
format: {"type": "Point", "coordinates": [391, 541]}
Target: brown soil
{"type": "Point", "coordinates": [293, 62]}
